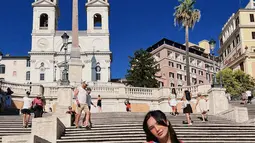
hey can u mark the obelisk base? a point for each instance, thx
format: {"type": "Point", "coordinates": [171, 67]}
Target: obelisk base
{"type": "Point", "coordinates": [75, 71]}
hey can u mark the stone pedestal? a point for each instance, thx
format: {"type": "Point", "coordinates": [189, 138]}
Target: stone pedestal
{"type": "Point", "coordinates": [64, 101]}
{"type": "Point", "coordinates": [218, 102]}
{"type": "Point", "coordinates": [75, 71]}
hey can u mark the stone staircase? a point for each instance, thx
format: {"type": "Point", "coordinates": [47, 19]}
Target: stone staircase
{"type": "Point", "coordinates": [127, 127]}
{"type": "Point", "coordinates": [250, 107]}
{"type": "Point", "coordinates": [12, 125]}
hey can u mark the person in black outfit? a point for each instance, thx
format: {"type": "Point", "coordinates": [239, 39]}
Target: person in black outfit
{"type": "Point", "coordinates": [72, 113]}
{"type": "Point", "coordinates": [99, 103]}
{"type": "Point", "coordinates": [186, 106]}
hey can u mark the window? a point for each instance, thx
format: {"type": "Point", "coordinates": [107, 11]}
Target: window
{"type": "Point", "coordinates": [184, 59]}
{"type": "Point", "coordinates": [228, 49]}
{"type": "Point", "coordinates": [221, 42]}
{"type": "Point", "coordinates": [172, 84]}
{"type": "Point", "coordinates": [251, 17]}
{"type": "Point", "coordinates": [253, 35]}
{"type": "Point", "coordinates": [194, 80]}
{"type": "Point", "coordinates": [171, 75]}
{"type": "Point", "coordinates": [169, 53]}
{"type": "Point", "coordinates": [158, 55]}
{"type": "Point", "coordinates": [177, 56]}
{"type": "Point", "coordinates": [234, 44]}
{"type": "Point", "coordinates": [42, 75]}
{"type": "Point", "coordinates": [185, 78]}
{"type": "Point", "coordinates": [28, 75]}
{"type": "Point", "coordinates": [97, 21]}
{"type": "Point", "coordinates": [201, 72]}
{"type": "Point", "coordinates": [238, 39]}
{"type": "Point", "coordinates": [171, 64]}
{"type": "Point", "coordinates": [184, 68]}
{"type": "Point", "coordinates": [207, 76]}
{"type": "Point", "coordinates": [14, 73]}
{"type": "Point", "coordinates": [193, 70]}
{"type": "Point", "coordinates": [2, 69]}
{"type": "Point", "coordinates": [98, 76]}
{"type": "Point", "coordinates": [28, 63]}
{"type": "Point", "coordinates": [179, 66]}
{"type": "Point", "coordinates": [43, 21]}
{"type": "Point", "coordinates": [179, 76]}
{"type": "Point", "coordinates": [237, 21]}
{"type": "Point", "coordinates": [201, 82]}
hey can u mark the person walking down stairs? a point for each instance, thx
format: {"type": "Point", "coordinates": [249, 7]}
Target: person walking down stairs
{"type": "Point", "coordinates": [128, 105]}
{"type": "Point", "coordinates": [80, 95]}
{"type": "Point", "coordinates": [8, 98]}
{"type": "Point", "coordinates": [89, 102]}
{"type": "Point", "coordinates": [99, 103]}
{"type": "Point", "coordinates": [27, 103]}
{"type": "Point", "coordinates": [158, 129]}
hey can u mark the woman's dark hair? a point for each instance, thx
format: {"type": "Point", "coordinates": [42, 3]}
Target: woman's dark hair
{"type": "Point", "coordinates": [187, 95]}
{"type": "Point", "coordinates": [173, 91]}
{"type": "Point", "coordinates": [98, 95]}
{"type": "Point", "coordinates": [161, 119]}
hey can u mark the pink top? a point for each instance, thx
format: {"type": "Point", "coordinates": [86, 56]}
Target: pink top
{"type": "Point", "coordinates": [38, 102]}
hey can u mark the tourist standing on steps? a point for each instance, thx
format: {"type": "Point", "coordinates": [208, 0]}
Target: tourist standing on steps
{"type": "Point", "coordinates": [8, 98]}
{"type": "Point", "coordinates": [186, 106]}
{"type": "Point", "coordinates": [158, 129]}
{"type": "Point", "coordinates": [128, 105]}
{"type": "Point", "coordinates": [81, 100]}
{"type": "Point", "coordinates": [89, 102]}
{"type": "Point", "coordinates": [249, 96]}
{"type": "Point", "coordinates": [172, 102]}
{"type": "Point", "coordinates": [99, 103]}
{"type": "Point", "coordinates": [37, 105]}
{"type": "Point", "coordinates": [27, 103]}
{"type": "Point", "coordinates": [202, 105]}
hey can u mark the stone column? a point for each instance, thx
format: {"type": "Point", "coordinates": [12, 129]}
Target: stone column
{"type": "Point", "coordinates": [75, 63]}
{"type": "Point", "coordinates": [218, 102]}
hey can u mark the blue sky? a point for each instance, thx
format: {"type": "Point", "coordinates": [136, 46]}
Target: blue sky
{"type": "Point", "coordinates": [134, 24]}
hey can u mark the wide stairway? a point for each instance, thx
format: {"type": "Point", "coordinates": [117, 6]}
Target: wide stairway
{"type": "Point", "coordinates": [250, 107]}
{"type": "Point", "coordinates": [12, 125]}
{"type": "Point", "coordinates": [127, 128]}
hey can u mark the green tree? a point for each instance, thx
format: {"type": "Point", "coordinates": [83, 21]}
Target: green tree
{"type": "Point", "coordinates": [235, 82]}
{"type": "Point", "coordinates": [143, 69]}
{"type": "Point", "coordinates": [186, 16]}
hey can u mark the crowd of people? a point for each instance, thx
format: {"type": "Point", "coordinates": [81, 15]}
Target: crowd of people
{"type": "Point", "coordinates": [247, 97]}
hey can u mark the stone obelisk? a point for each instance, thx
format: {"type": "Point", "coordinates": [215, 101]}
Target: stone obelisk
{"type": "Point", "coordinates": [75, 63]}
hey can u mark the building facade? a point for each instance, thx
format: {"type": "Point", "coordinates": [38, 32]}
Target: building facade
{"type": "Point", "coordinates": [171, 60]}
{"type": "Point", "coordinates": [237, 41]}
{"type": "Point", "coordinates": [47, 53]}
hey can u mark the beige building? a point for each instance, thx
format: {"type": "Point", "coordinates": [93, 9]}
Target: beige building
{"type": "Point", "coordinates": [171, 59]}
{"type": "Point", "coordinates": [237, 41]}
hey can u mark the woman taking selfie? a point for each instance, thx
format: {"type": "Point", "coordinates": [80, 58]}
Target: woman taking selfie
{"type": "Point", "coordinates": [158, 129]}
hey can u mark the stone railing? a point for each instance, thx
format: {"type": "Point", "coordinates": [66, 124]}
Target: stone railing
{"type": "Point", "coordinates": [21, 89]}
{"type": "Point", "coordinates": [237, 114]}
{"type": "Point", "coordinates": [108, 90]}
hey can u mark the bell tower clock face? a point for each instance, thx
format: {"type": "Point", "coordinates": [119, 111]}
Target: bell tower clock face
{"type": "Point", "coordinates": [42, 43]}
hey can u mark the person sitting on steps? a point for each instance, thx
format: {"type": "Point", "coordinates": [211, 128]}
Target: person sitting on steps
{"type": "Point", "coordinates": [73, 115]}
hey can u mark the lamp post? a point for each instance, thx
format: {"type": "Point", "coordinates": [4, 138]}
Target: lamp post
{"type": "Point", "coordinates": [55, 73]}
{"type": "Point", "coordinates": [212, 46]}
{"type": "Point", "coordinates": [65, 80]}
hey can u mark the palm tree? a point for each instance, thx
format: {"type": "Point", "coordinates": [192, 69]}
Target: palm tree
{"type": "Point", "coordinates": [187, 16]}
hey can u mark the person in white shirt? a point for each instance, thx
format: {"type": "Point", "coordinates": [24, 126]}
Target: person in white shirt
{"type": "Point", "coordinates": [248, 94]}
{"type": "Point", "coordinates": [81, 100]}
{"type": "Point", "coordinates": [27, 103]}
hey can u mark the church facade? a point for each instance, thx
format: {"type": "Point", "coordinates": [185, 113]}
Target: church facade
{"type": "Point", "coordinates": [46, 60]}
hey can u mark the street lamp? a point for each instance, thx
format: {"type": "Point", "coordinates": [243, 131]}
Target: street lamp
{"type": "Point", "coordinates": [55, 73]}
{"type": "Point", "coordinates": [65, 80]}
{"type": "Point", "coordinates": [212, 47]}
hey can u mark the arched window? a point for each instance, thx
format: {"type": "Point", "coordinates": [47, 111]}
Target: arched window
{"type": "Point", "coordinates": [2, 69]}
{"type": "Point", "coordinates": [28, 75]}
{"type": "Point", "coordinates": [97, 21]}
{"type": "Point", "coordinates": [98, 72]}
{"type": "Point", "coordinates": [43, 21]}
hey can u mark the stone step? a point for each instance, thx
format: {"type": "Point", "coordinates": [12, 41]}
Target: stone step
{"type": "Point", "coordinates": [142, 139]}
{"type": "Point", "coordinates": [212, 132]}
